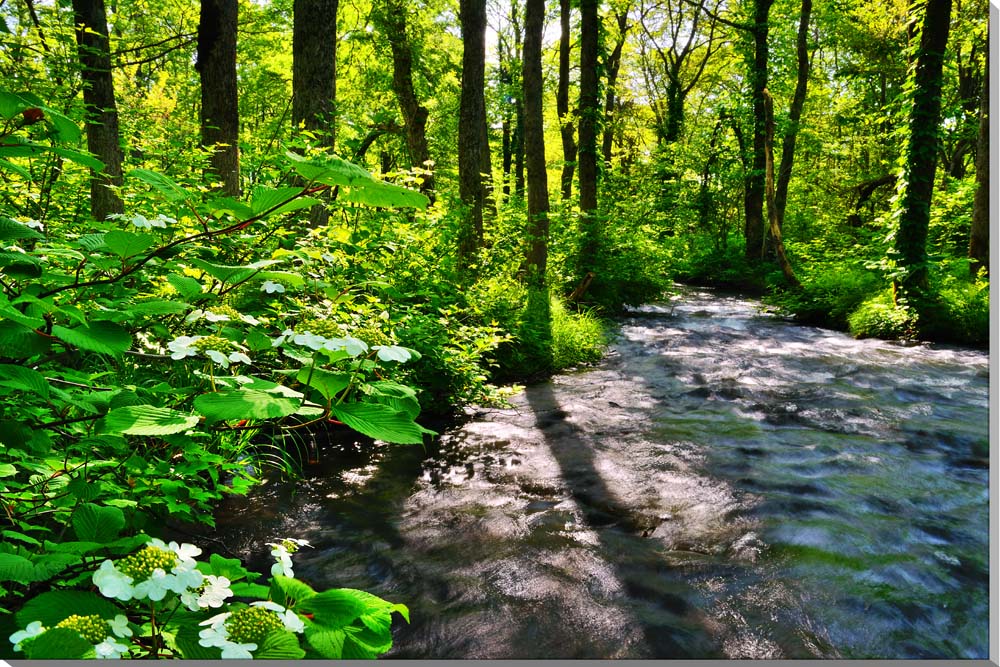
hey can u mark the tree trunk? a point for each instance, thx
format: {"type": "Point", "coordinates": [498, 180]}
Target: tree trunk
{"type": "Point", "coordinates": [220, 117]}
{"type": "Point", "coordinates": [794, 114]}
{"type": "Point", "coordinates": [391, 15]}
{"type": "Point", "coordinates": [314, 77]}
{"type": "Point", "coordinates": [921, 153]}
{"type": "Point", "coordinates": [562, 102]}
{"type": "Point", "coordinates": [534, 144]}
{"type": "Point", "coordinates": [979, 239]}
{"type": "Point", "coordinates": [473, 153]}
{"type": "Point", "coordinates": [589, 111]}
{"type": "Point", "coordinates": [99, 99]}
{"type": "Point", "coordinates": [772, 209]}
{"type": "Point", "coordinates": [614, 64]}
{"type": "Point", "coordinates": [314, 68]}
{"type": "Point", "coordinates": [754, 199]}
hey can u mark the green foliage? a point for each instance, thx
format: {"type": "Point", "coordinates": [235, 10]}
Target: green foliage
{"type": "Point", "coordinates": [879, 317]}
{"type": "Point", "coordinates": [829, 294]}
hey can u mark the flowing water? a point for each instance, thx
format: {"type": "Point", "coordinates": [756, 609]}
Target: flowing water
{"type": "Point", "coordinates": [724, 484]}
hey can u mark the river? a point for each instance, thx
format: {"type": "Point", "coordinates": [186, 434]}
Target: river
{"type": "Point", "coordinates": [724, 484]}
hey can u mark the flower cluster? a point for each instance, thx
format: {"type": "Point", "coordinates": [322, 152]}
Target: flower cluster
{"type": "Point", "coordinates": [239, 632]}
{"type": "Point", "coordinates": [189, 346]}
{"type": "Point", "coordinates": [282, 552]}
{"type": "Point", "coordinates": [92, 628]}
{"type": "Point", "coordinates": [349, 344]}
{"type": "Point", "coordinates": [150, 573]}
{"type": "Point", "coordinates": [142, 222]}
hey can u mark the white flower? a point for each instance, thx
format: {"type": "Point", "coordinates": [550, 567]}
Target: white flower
{"type": "Point", "coordinates": [238, 651]}
{"type": "Point", "coordinates": [119, 626]}
{"type": "Point", "coordinates": [271, 287]}
{"type": "Point", "coordinates": [217, 357]}
{"type": "Point", "coordinates": [280, 340]}
{"type": "Point", "coordinates": [181, 347]}
{"type": "Point", "coordinates": [239, 358]}
{"type": "Point", "coordinates": [216, 634]}
{"type": "Point", "coordinates": [185, 552]}
{"type": "Point", "coordinates": [140, 221]}
{"type": "Point", "coordinates": [310, 340]}
{"type": "Point", "coordinates": [185, 577]}
{"type": "Point", "coordinates": [249, 319]}
{"type": "Point", "coordinates": [35, 224]}
{"type": "Point", "coordinates": [113, 583]}
{"type": "Point", "coordinates": [110, 649]}
{"type": "Point", "coordinates": [392, 353]}
{"type": "Point", "coordinates": [283, 564]}
{"type": "Point", "coordinates": [292, 621]}
{"type": "Point", "coordinates": [191, 600]}
{"type": "Point", "coordinates": [216, 317]}
{"type": "Point", "coordinates": [352, 346]}
{"type": "Point", "coordinates": [33, 630]}
{"type": "Point", "coordinates": [216, 591]}
{"type": "Point", "coordinates": [156, 587]}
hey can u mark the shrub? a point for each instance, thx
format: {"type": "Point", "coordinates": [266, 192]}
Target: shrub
{"type": "Point", "coordinates": [829, 295]}
{"type": "Point", "coordinates": [879, 317]}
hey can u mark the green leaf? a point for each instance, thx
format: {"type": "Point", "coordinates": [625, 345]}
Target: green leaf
{"type": "Point", "coordinates": [24, 379]}
{"type": "Point", "coordinates": [94, 523]}
{"type": "Point", "coordinates": [79, 157]}
{"type": "Point", "coordinates": [20, 342]}
{"type": "Point", "coordinates": [98, 336]}
{"type": "Point", "coordinates": [290, 593]}
{"type": "Point", "coordinates": [385, 195]}
{"type": "Point", "coordinates": [16, 568]}
{"type": "Point", "coordinates": [230, 568]}
{"type": "Point", "coordinates": [186, 641]}
{"type": "Point", "coordinates": [186, 286]}
{"type": "Point", "coordinates": [380, 422]}
{"type": "Point", "coordinates": [164, 185]}
{"type": "Point", "coordinates": [11, 230]}
{"type": "Point", "coordinates": [328, 383]}
{"type": "Point", "coordinates": [328, 642]}
{"type": "Point", "coordinates": [279, 645]}
{"type": "Point", "coordinates": [334, 608]}
{"type": "Point", "coordinates": [244, 404]}
{"type": "Point", "coordinates": [247, 590]}
{"type": "Point", "coordinates": [231, 274]}
{"type": "Point", "coordinates": [147, 420]}
{"type": "Point", "coordinates": [234, 207]}
{"type": "Point", "coordinates": [20, 171]}
{"type": "Point", "coordinates": [54, 606]}
{"type": "Point", "coordinates": [20, 266]}
{"type": "Point", "coordinates": [56, 644]}
{"type": "Point", "coordinates": [264, 199]}
{"type": "Point", "coordinates": [158, 307]}
{"type": "Point", "coordinates": [128, 244]}
{"type": "Point", "coordinates": [7, 470]}
{"type": "Point", "coordinates": [328, 169]}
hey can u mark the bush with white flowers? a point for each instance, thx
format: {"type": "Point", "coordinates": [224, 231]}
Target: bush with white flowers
{"type": "Point", "coordinates": [159, 602]}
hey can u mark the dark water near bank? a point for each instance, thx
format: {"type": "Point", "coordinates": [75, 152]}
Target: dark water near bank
{"type": "Point", "coordinates": [723, 485]}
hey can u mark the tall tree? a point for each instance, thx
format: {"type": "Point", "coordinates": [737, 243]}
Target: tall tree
{"type": "Point", "coordinates": [794, 113]}
{"type": "Point", "coordinates": [473, 149]}
{"type": "Point", "coordinates": [220, 117]}
{"type": "Point", "coordinates": [614, 64]}
{"type": "Point", "coordinates": [99, 99]}
{"type": "Point", "coordinates": [314, 67]}
{"type": "Point", "coordinates": [979, 238]}
{"type": "Point", "coordinates": [534, 140]}
{"type": "Point", "coordinates": [562, 102]}
{"type": "Point", "coordinates": [910, 248]}
{"type": "Point", "coordinates": [753, 200]}
{"type": "Point", "coordinates": [391, 18]}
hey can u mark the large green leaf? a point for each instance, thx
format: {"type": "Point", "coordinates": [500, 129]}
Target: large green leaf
{"type": "Point", "coordinates": [244, 404]}
{"type": "Point", "coordinates": [57, 605]}
{"type": "Point", "coordinates": [147, 420]}
{"type": "Point", "coordinates": [380, 422]}
{"type": "Point", "coordinates": [94, 523]}
{"type": "Point", "coordinates": [290, 592]}
{"type": "Point", "coordinates": [279, 645]}
{"type": "Point", "coordinates": [232, 274]}
{"type": "Point", "coordinates": [281, 200]}
{"type": "Point", "coordinates": [11, 230]}
{"type": "Point", "coordinates": [20, 266]}
{"type": "Point", "coordinates": [24, 379]}
{"type": "Point", "coordinates": [328, 383]}
{"type": "Point", "coordinates": [128, 244]}
{"type": "Point", "coordinates": [166, 186]}
{"type": "Point", "coordinates": [385, 195]}
{"type": "Point", "coordinates": [186, 286]}
{"type": "Point", "coordinates": [98, 336]}
{"type": "Point", "coordinates": [16, 568]}
{"type": "Point", "coordinates": [328, 642]}
{"type": "Point", "coordinates": [20, 342]}
{"type": "Point", "coordinates": [58, 644]}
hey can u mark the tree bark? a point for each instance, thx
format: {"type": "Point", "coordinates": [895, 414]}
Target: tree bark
{"type": "Point", "coordinates": [534, 144]}
{"type": "Point", "coordinates": [614, 64]}
{"type": "Point", "coordinates": [589, 110]}
{"type": "Point", "coordinates": [753, 229]}
{"type": "Point", "coordinates": [103, 138]}
{"type": "Point", "coordinates": [772, 209]}
{"type": "Point", "coordinates": [473, 152]}
{"type": "Point", "coordinates": [979, 238]}
{"type": "Point", "coordinates": [921, 153]}
{"type": "Point", "coordinates": [220, 117]}
{"type": "Point", "coordinates": [562, 102]}
{"type": "Point", "coordinates": [794, 113]}
{"type": "Point", "coordinates": [391, 16]}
